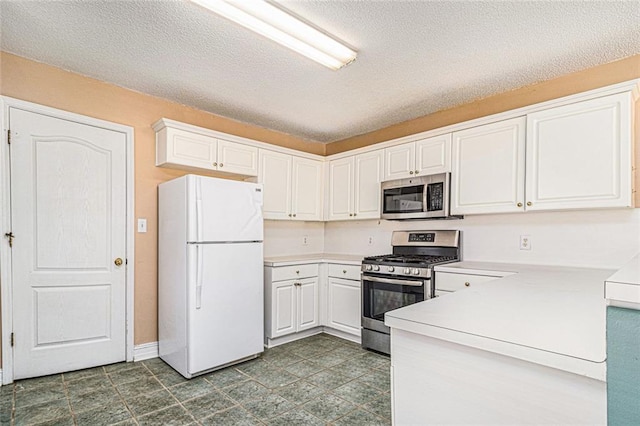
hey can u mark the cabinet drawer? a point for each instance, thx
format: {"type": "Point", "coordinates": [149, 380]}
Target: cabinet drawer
{"type": "Point", "coordinates": [453, 282]}
{"type": "Point", "coordinates": [296, 271]}
{"type": "Point", "coordinates": [349, 272]}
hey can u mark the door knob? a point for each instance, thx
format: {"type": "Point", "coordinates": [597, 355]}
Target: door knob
{"type": "Point", "coordinates": [118, 261]}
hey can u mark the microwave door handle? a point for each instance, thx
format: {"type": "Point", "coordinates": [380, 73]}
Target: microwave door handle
{"type": "Point", "coordinates": [392, 281]}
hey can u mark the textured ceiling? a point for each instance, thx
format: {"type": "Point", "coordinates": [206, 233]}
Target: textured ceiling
{"type": "Point", "coordinates": [415, 57]}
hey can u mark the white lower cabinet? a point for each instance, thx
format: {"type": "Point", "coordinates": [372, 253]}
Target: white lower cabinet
{"type": "Point", "coordinates": [294, 296]}
{"type": "Point", "coordinates": [291, 299]}
{"type": "Point", "coordinates": [344, 298]}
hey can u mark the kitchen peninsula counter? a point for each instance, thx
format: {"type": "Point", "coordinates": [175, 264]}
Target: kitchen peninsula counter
{"type": "Point", "coordinates": [549, 315]}
{"type": "Point", "coordinates": [527, 348]}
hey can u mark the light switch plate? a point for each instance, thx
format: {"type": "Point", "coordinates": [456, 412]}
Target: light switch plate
{"type": "Point", "coordinates": [142, 225]}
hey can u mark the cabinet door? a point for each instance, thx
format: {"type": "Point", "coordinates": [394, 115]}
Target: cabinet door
{"type": "Point", "coordinates": [341, 189]}
{"type": "Point", "coordinates": [190, 149]}
{"type": "Point", "coordinates": [344, 305]}
{"type": "Point", "coordinates": [488, 168]}
{"type": "Point", "coordinates": [399, 161]}
{"type": "Point", "coordinates": [307, 189]}
{"type": "Point", "coordinates": [368, 175]}
{"type": "Point", "coordinates": [283, 308]}
{"type": "Point", "coordinates": [308, 303]}
{"type": "Point", "coordinates": [275, 175]}
{"type": "Point", "coordinates": [433, 155]}
{"type": "Point", "coordinates": [237, 158]}
{"type": "Point", "coordinates": [579, 155]}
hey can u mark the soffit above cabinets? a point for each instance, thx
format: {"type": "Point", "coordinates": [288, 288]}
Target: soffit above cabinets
{"type": "Point", "coordinates": [414, 58]}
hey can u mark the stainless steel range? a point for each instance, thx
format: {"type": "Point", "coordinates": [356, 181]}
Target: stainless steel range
{"type": "Point", "coordinates": [395, 280]}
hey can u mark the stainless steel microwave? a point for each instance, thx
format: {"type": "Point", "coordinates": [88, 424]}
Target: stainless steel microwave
{"type": "Point", "coordinates": [424, 197]}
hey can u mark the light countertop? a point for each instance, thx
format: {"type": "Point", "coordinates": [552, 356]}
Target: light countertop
{"type": "Point", "coordinates": [623, 287]}
{"type": "Point", "coordinates": [549, 315]}
{"type": "Point", "coordinates": [301, 259]}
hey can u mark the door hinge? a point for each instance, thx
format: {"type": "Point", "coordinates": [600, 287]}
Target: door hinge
{"type": "Point", "coordinates": [9, 137]}
{"type": "Point", "coordinates": [126, 261]}
{"type": "Point", "coordinates": [12, 340]}
{"type": "Point", "coordinates": [10, 237]}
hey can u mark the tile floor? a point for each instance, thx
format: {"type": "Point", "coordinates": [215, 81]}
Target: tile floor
{"type": "Point", "coordinates": [319, 380]}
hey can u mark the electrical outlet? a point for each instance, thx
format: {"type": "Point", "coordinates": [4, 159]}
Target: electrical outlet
{"type": "Point", "coordinates": [525, 242]}
{"type": "Point", "coordinates": [370, 240]}
{"type": "Point", "coordinates": [142, 225]}
{"type": "Point", "coordinates": [305, 240]}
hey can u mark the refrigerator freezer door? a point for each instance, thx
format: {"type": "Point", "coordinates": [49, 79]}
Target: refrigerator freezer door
{"type": "Point", "coordinates": [223, 210]}
{"type": "Point", "coordinates": [228, 325]}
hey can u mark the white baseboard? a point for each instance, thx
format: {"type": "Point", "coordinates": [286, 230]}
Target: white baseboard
{"type": "Point", "coordinates": [0, 377]}
{"type": "Point", "coordinates": [145, 351]}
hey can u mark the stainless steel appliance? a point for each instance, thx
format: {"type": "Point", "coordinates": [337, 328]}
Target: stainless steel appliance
{"type": "Point", "coordinates": [425, 197]}
{"type": "Point", "coordinates": [395, 280]}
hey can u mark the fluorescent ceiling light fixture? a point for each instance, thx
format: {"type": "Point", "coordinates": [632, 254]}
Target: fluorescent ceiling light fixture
{"type": "Point", "coordinates": [270, 21]}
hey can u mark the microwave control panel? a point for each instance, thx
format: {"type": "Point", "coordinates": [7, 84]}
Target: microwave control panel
{"type": "Point", "coordinates": [435, 196]}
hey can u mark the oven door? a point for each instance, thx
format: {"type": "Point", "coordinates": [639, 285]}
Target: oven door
{"type": "Point", "coordinates": [381, 295]}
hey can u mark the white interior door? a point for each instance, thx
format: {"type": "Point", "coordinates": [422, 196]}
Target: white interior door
{"type": "Point", "coordinates": [68, 213]}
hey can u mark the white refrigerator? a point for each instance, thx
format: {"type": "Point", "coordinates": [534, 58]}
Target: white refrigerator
{"type": "Point", "coordinates": [210, 273]}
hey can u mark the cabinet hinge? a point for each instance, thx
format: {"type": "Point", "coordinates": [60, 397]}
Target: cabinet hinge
{"type": "Point", "coordinates": [12, 339]}
{"type": "Point", "coordinates": [9, 137]}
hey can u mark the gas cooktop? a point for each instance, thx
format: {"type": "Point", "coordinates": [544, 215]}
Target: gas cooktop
{"type": "Point", "coordinates": [424, 260]}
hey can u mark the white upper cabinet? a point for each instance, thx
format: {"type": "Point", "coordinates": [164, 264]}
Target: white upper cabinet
{"type": "Point", "coordinates": [307, 189]}
{"type": "Point", "coordinates": [354, 186]}
{"type": "Point", "coordinates": [420, 158]}
{"type": "Point", "coordinates": [400, 161]}
{"type": "Point", "coordinates": [576, 156]}
{"type": "Point", "coordinates": [341, 189]}
{"type": "Point", "coordinates": [275, 176]}
{"type": "Point", "coordinates": [292, 186]}
{"type": "Point", "coordinates": [433, 155]}
{"type": "Point", "coordinates": [488, 168]}
{"type": "Point", "coordinates": [237, 158]}
{"type": "Point", "coordinates": [182, 149]}
{"type": "Point", "coordinates": [579, 155]}
{"type": "Point", "coordinates": [368, 175]}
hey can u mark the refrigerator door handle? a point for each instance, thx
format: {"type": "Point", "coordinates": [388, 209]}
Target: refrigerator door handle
{"type": "Point", "coordinates": [198, 210]}
{"type": "Point", "coordinates": [198, 276]}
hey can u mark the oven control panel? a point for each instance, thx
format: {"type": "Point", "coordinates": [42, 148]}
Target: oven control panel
{"type": "Point", "coordinates": [402, 271]}
{"type": "Point", "coordinates": [422, 237]}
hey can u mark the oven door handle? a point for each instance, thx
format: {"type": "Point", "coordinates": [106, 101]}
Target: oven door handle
{"type": "Point", "coordinates": [392, 281]}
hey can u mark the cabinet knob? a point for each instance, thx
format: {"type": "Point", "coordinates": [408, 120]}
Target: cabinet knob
{"type": "Point", "coordinates": [351, 214]}
{"type": "Point", "coordinates": [467, 284]}
{"type": "Point", "coordinates": [417, 171]}
{"type": "Point", "coordinates": [221, 164]}
{"type": "Point", "coordinates": [355, 214]}
{"type": "Point", "coordinates": [289, 214]}
{"type": "Point", "coordinates": [215, 164]}
{"type": "Point", "coordinates": [344, 271]}
{"type": "Point", "coordinates": [410, 172]}
{"type": "Point", "coordinates": [529, 203]}
{"type": "Point", "coordinates": [519, 204]}
{"type": "Point", "coordinates": [294, 215]}
{"type": "Point", "coordinates": [297, 272]}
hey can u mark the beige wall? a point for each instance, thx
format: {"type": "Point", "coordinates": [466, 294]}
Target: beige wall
{"type": "Point", "coordinates": [35, 82]}
{"type": "Point", "coordinates": [592, 78]}
{"type": "Point", "coordinates": [50, 86]}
